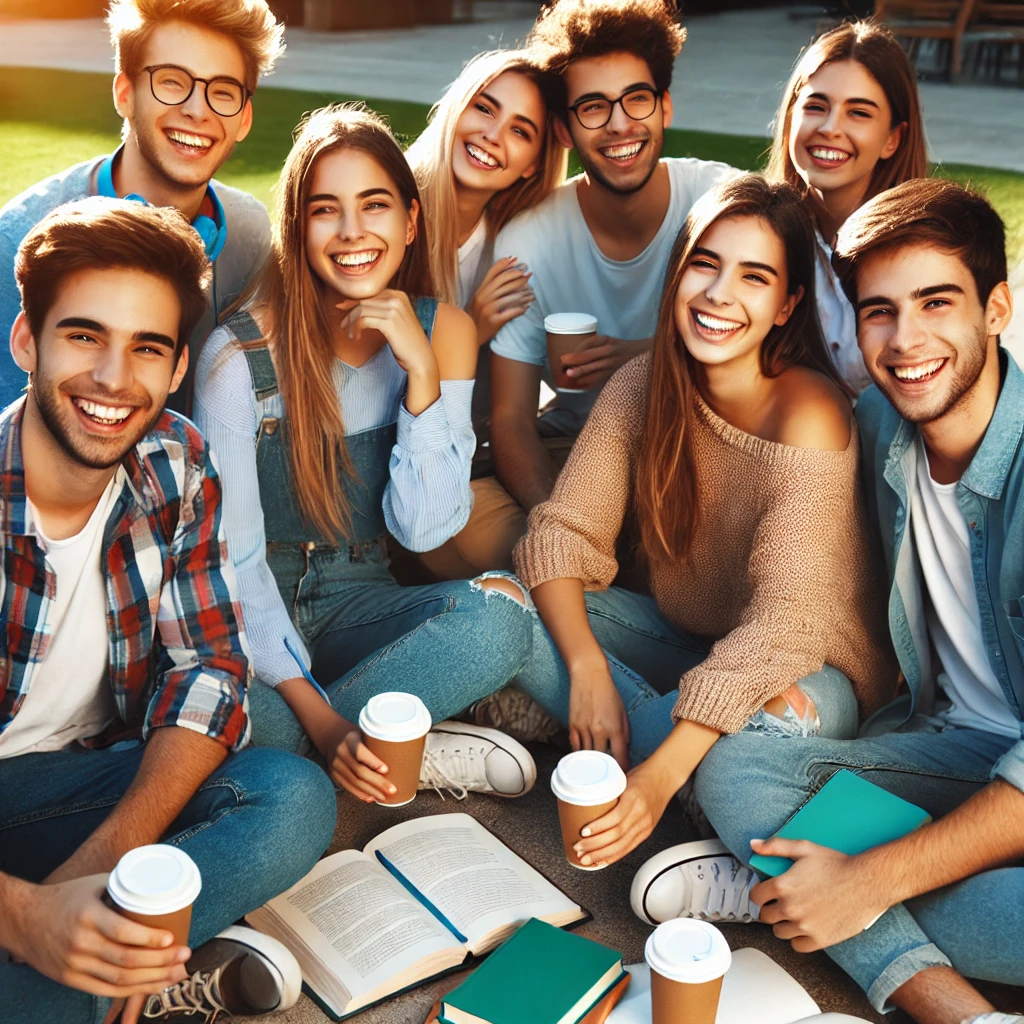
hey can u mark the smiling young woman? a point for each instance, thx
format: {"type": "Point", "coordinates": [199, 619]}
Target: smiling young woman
{"type": "Point", "coordinates": [849, 126]}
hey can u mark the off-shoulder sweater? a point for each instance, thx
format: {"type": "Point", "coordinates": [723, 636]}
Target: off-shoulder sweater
{"type": "Point", "coordinates": [781, 577]}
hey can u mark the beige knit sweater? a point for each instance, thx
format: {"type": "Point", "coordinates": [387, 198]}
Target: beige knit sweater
{"type": "Point", "coordinates": [781, 576]}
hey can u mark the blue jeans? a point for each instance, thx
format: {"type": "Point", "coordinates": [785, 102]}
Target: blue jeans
{"type": "Point", "coordinates": [749, 786]}
{"type": "Point", "coordinates": [256, 826]}
{"type": "Point", "coordinates": [647, 654]}
{"type": "Point", "coordinates": [449, 643]}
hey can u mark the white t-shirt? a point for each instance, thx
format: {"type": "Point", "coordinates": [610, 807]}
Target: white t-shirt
{"type": "Point", "coordinates": [954, 621]}
{"type": "Point", "coordinates": [838, 320]}
{"type": "Point", "coordinates": [70, 698]}
{"type": "Point", "coordinates": [572, 275]}
{"type": "Point", "coordinates": [474, 262]}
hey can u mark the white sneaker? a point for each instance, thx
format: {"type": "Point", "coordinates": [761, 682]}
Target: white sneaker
{"type": "Point", "coordinates": [464, 758]}
{"type": "Point", "coordinates": [995, 1018]}
{"type": "Point", "coordinates": [702, 880]}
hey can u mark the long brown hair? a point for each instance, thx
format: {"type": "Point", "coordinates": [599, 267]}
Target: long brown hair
{"type": "Point", "coordinates": [431, 159]}
{"type": "Point", "coordinates": [878, 51]}
{"type": "Point", "coordinates": [666, 485]}
{"type": "Point", "coordinates": [290, 299]}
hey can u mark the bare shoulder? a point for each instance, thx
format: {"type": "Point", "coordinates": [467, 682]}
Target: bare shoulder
{"type": "Point", "coordinates": [813, 411]}
{"type": "Point", "coordinates": [454, 342]}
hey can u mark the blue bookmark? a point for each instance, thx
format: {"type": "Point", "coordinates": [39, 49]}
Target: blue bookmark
{"type": "Point", "coordinates": [306, 674]}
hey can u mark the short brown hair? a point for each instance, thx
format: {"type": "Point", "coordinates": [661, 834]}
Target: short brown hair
{"type": "Point", "coordinates": [250, 23]}
{"type": "Point", "coordinates": [878, 51]}
{"type": "Point", "coordinates": [570, 30]}
{"type": "Point", "coordinates": [930, 211]}
{"type": "Point", "coordinates": [100, 234]}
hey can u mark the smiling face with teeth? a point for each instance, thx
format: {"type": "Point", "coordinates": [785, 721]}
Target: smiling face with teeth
{"type": "Point", "coordinates": [357, 228]}
{"type": "Point", "coordinates": [181, 147]}
{"type": "Point", "coordinates": [733, 290]}
{"type": "Point", "coordinates": [103, 364]}
{"type": "Point", "coordinates": [841, 127]}
{"type": "Point", "coordinates": [622, 156]}
{"type": "Point", "coordinates": [927, 340]}
{"type": "Point", "coordinates": [499, 136]}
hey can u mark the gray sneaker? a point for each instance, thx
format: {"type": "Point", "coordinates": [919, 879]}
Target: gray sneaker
{"type": "Point", "coordinates": [240, 972]}
{"type": "Point", "coordinates": [516, 714]}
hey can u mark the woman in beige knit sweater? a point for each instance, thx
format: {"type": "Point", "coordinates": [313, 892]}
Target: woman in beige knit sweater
{"type": "Point", "coordinates": [734, 448]}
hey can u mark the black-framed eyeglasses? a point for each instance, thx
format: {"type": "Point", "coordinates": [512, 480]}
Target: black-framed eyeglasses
{"type": "Point", "coordinates": [172, 86]}
{"type": "Point", "coordinates": [596, 111]}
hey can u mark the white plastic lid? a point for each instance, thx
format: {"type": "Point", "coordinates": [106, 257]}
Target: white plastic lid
{"type": "Point", "coordinates": [395, 717]}
{"type": "Point", "coordinates": [687, 950]}
{"type": "Point", "coordinates": [157, 879]}
{"type": "Point", "coordinates": [588, 778]}
{"type": "Point", "coordinates": [570, 323]}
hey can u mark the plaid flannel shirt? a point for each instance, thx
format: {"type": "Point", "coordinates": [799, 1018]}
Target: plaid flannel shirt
{"type": "Point", "coordinates": [177, 654]}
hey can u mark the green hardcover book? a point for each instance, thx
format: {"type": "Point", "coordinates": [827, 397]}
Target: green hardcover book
{"type": "Point", "coordinates": [542, 975]}
{"type": "Point", "coordinates": [848, 814]}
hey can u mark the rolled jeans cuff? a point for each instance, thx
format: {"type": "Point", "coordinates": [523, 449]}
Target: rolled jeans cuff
{"type": "Point", "coordinates": [901, 970]}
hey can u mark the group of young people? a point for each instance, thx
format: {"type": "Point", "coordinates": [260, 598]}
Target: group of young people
{"type": "Point", "coordinates": [738, 566]}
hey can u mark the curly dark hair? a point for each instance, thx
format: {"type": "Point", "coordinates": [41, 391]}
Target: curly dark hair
{"type": "Point", "coordinates": [569, 30]}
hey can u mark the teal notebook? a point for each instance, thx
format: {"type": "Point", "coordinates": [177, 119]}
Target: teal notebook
{"type": "Point", "coordinates": [542, 975]}
{"type": "Point", "coordinates": [848, 814]}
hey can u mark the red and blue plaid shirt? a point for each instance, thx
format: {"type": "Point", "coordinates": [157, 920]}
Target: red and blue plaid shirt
{"type": "Point", "coordinates": [175, 638]}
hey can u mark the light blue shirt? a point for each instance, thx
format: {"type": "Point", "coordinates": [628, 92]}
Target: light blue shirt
{"type": "Point", "coordinates": [427, 500]}
{"type": "Point", "coordinates": [991, 496]}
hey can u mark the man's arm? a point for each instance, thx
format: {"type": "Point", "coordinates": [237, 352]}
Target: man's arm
{"type": "Point", "coordinates": [176, 763]}
{"type": "Point", "coordinates": [827, 897]}
{"type": "Point", "coordinates": [521, 462]}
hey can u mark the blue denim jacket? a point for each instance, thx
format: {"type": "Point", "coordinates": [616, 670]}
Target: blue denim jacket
{"type": "Point", "coordinates": [991, 497]}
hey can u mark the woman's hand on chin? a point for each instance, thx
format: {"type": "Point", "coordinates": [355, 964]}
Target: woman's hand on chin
{"type": "Point", "coordinates": [391, 313]}
{"type": "Point", "coordinates": [620, 831]}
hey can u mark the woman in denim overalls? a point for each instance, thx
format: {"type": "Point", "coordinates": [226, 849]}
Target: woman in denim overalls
{"type": "Point", "coordinates": [337, 405]}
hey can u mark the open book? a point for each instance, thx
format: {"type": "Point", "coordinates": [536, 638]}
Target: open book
{"type": "Point", "coordinates": [419, 900]}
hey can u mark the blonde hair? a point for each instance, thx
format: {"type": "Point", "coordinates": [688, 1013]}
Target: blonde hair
{"type": "Point", "coordinates": [249, 23]}
{"type": "Point", "coordinates": [430, 157]}
{"type": "Point", "coordinates": [876, 49]}
{"type": "Point", "coordinates": [289, 297]}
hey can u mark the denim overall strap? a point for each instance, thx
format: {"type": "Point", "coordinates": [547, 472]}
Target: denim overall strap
{"type": "Point", "coordinates": [426, 312]}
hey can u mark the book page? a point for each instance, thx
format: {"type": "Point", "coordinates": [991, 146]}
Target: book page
{"type": "Point", "coordinates": [482, 887]}
{"type": "Point", "coordinates": [360, 922]}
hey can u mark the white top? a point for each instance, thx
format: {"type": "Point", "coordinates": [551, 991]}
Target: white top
{"type": "Point", "coordinates": [156, 879]}
{"type": "Point", "coordinates": [571, 274]}
{"type": "Point", "coordinates": [70, 698]}
{"type": "Point", "coordinates": [427, 499]}
{"type": "Point", "coordinates": [475, 259]}
{"type": "Point", "coordinates": [954, 621]}
{"type": "Point", "coordinates": [838, 320]}
{"type": "Point", "coordinates": [689, 951]}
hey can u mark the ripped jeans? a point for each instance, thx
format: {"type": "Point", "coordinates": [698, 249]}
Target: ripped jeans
{"type": "Point", "coordinates": [449, 643]}
{"type": "Point", "coordinates": [647, 654]}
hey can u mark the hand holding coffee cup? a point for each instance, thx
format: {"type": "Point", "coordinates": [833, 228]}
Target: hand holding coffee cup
{"type": "Point", "coordinates": [394, 727]}
{"type": "Point", "coordinates": [565, 333]}
{"type": "Point", "coordinates": [688, 960]}
{"type": "Point", "coordinates": [587, 784]}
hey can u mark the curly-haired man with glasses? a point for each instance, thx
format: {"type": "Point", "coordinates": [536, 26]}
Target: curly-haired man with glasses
{"type": "Point", "coordinates": [185, 75]}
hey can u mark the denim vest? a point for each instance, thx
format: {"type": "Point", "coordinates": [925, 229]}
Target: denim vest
{"type": "Point", "coordinates": [991, 496]}
{"type": "Point", "coordinates": [311, 571]}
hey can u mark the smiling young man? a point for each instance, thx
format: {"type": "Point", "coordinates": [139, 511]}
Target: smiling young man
{"type": "Point", "coordinates": [186, 72]}
{"type": "Point", "coordinates": [925, 267]}
{"type": "Point", "coordinates": [599, 245]}
{"type": "Point", "coordinates": [123, 717]}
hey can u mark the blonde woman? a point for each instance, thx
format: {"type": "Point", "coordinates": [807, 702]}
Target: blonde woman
{"type": "Point", "coordinates": [488, 154]}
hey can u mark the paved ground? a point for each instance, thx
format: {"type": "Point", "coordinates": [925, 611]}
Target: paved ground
{"type": "Point", "coordinates": [728, 79]}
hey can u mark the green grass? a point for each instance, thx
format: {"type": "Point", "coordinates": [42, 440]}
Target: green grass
{"type": "Point", "coordinates": [52, 119]}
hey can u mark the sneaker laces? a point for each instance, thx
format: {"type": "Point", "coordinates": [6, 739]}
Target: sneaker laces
{"type": "Point", "coordinates": [457, 769]}
{"type": "Point", "coordinates": [199, 994]}
{"type": "Point", "coordinates": [726, 891]}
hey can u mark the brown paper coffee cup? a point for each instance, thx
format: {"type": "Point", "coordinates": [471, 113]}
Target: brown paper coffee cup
{"type": "Point", "coordinates": [680, 1002]}
{"type": "Point", "coordinates": [178, 923]}
{"type": "Point", "coordinates": [572, 818]}
{"type": "Point", "coordinates": [404, 761]}
{"type": "Point", "coordinates": [565, 332]}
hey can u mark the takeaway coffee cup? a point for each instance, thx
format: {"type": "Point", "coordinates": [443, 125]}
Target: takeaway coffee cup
{"type": "Point", "coordinates": [586, 785]}
{"type": "Point", "coordinates": [395, 726]}
{"type": "Point", "coordinates": [565, 331]}
{"type": "Point", "coordinates": [156, 886]}
{"type": "Point", "coordinates": [688, 960]}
